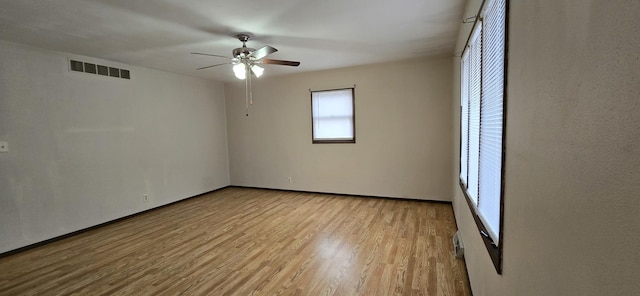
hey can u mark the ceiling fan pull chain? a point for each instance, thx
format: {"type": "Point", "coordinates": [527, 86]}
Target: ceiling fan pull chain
{"type": "Point", "coordinates": [246, 96]}
{"type": "Point", "coordinates": [250, 87]}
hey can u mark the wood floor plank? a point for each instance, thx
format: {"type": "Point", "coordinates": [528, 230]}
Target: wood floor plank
{"type": "Point", "coordinates": [240, 241]}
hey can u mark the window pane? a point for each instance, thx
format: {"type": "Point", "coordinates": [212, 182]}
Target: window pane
{"type": "Point", "coordinates": [332, 114]}
{"type": "Point", "coordinates": [334, 128]}
{"type": "Point", "coordinates": [464, 118]}
{"type": "Point", "coordinates": [492, 112]}
{"type": "Point", "coordinates": [474, 112]}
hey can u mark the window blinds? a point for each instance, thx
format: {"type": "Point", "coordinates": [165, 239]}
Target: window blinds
{"type": "Point", "coordinates": [492, 112]}
{"type": "Point", "coordinates": [482, 113]}
{"type": "Point", "coordinates": [332, 114]}
{"type": "Point", "coordinates": [464, 119]}
{"type": "Point", "coordinates": [475, 48]}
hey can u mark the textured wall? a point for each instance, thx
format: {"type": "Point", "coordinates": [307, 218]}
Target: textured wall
{"type": "Point", "coordinates": [84, 149]}
{"type": "Point", "coordinates": [572, 212]}
{"type": "Point", "coordinates": [403, 132]}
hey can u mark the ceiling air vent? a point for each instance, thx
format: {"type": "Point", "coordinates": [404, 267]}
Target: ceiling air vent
{"type": "Point", "coordinates": [78, 66]}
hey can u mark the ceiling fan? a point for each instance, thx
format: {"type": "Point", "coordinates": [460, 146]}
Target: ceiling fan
{"type": "Point", "coordinates": [246, 60]}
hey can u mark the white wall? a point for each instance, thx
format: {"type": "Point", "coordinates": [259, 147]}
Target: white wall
{"type": "Point", "coordinates": [85, 148]}
{"type": "Point", "coordinates": [572, 212]}
{"type": "Point", "coordinates": [403, 132]}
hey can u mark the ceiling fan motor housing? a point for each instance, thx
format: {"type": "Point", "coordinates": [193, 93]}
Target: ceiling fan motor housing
{"type": "Point", "coordinates": [243, 51]}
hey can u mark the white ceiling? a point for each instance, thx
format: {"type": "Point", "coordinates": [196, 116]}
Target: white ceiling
{"type": "Point", "coordinates": [160, 34]}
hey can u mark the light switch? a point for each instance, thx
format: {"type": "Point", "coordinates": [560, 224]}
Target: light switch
{"type": "Point", "coordinates": [4, 147]}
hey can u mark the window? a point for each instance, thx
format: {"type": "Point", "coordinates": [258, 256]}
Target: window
{"type": "Point", "coordinates": [482, 123]}
{"type": "Point", "coordinates": [333, 116]}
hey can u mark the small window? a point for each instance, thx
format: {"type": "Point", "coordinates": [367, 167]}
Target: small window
{"type": "Point", "coordinates": [333, 116]}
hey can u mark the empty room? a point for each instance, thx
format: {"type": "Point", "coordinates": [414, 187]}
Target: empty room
{"type": "Point", "coordinates": [297, 147]}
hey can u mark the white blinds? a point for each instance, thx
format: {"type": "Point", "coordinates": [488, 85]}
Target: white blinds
{"type": "Point", "coordinates": [475, 47]}
{"type": "Point", "coordinates": [332, 114]}
{"type": "Point", "coordinates": [491, 110]}
{"type": "Point", "coordinates": [464, 118]}
{"type": "Point", "coordinates": [482, 96]}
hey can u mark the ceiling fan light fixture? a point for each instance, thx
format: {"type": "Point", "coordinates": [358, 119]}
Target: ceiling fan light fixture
{"type": "Point", "coordinates": [257, 70]}
{"type": "Point", "coordinates": [240, 71]}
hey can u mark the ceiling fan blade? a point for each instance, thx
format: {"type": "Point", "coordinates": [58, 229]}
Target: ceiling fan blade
{"type": "Point", "coordinates": [213, 66]}
{"type": "Point", "coordinates": [280, 62]}
{"type": "Point", "coordinates": [208, 54]}
{"type": "Point", "coordinates": [263, 52]}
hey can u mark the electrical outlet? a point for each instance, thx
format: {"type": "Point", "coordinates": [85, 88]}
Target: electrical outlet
{"type": "Point", "coordinates": [4, 147]}
{"type": "Point", "coordinates": [290, 180]}
{"type": "Point", "coordinates": [145, 197]}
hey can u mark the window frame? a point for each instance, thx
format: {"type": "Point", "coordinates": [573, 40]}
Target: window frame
{"type": "Point", "coordinates": [494, 249]}
{"type": "Point", "coordinates": [351, 140]}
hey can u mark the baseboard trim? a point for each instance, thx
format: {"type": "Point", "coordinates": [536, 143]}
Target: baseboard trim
{"type": "Point", "coordinates": [344, 194]}
{"type": "Point", "coordinates": [57, 238]}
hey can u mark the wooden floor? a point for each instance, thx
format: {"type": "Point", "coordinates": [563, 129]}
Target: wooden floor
{"type": "Point", "coordinates": [240, 241]}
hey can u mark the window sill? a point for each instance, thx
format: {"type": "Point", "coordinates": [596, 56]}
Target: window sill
{"type": "Point", "coordinates": [353, 141]}
{"type": "Point", "coordinates": [495, 251]}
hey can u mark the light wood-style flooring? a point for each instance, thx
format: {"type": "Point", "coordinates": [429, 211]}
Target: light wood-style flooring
{"type": "Point", "coordinates": [239, 241]}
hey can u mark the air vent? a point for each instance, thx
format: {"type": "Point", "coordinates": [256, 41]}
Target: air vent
{"type": "Point", "coordinates": [79, 66]}
{"type": "Point", "coordinates": [103, 70]}
{"type": "Point", "coordinates": [124, 74]}
{"type": "Point", "coordinates": [90, 68]}
{"type": "Point", "coordinates": [114, 72]}
{"type": "Point", "coordinates": [458, 247]}
{"type": "Point", "coordinates": [76, 66]}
